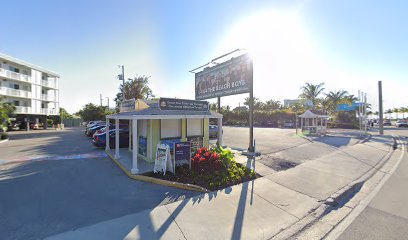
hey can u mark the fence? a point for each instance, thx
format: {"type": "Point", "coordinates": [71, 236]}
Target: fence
{"type": "Point", "coordinates": [72, 122]}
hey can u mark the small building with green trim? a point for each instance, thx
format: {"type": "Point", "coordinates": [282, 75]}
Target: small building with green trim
{"type": "Point", "coordinates": [151, 122]}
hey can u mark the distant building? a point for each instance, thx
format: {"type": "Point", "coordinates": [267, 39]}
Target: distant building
{"type": "Point", "coordinates": [291, 102]}
{"type": "Point", "coordinates": [33, 90]}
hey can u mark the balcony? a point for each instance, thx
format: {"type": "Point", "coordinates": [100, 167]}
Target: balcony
{"type": "Point", "coordinates": [46, 97]}
{"type": "Point", "coordinates": [14, 92]}
{"type": "Point", "coordinates": [14, 75]}
{"type": "Point", "coordinates": [47, 111]}
{"type": "Point", "coordinates": [20, 109]}
{"type": "Point", "coordinates": [47, 83]}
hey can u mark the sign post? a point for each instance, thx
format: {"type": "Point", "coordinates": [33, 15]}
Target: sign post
{"type": "Point", "coordinates": [231, 77]}
{"type": "Point", "coordinates": [251, 110]}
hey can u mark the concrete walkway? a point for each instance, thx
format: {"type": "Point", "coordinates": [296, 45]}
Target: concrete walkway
{"type": "Point", "coordinates": [258, 209]}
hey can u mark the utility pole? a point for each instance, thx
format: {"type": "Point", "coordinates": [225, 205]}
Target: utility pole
{"type": "Point", "coordinates": [122, 77]}
{"type": "Point", "coordinates": [100, 98]}
{"type": "Point", "coordinates": [380, 110]}
{"type": "Point", "coordinates": [108, 101]}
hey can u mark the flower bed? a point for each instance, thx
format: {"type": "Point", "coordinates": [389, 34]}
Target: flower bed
{"type": "Point", "coordinates": [212, 169]}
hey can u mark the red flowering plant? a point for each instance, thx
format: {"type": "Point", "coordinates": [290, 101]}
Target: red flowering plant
{"type": "Point", "coordinates": [205, 160]}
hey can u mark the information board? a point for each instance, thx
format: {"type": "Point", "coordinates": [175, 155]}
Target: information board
{"type": "Point", "coordinates": [163, 159]}
{"type": "Point", "coordinates": [142, 146]}
{"type": "Point", "coordinates": [183, 104]}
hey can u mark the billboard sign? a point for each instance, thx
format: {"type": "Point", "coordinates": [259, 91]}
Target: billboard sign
{"type": "Point", "coordinates": [228, 78]}
{"type": "Point", "coordinates": [127, 105]}
{"type": "Point", "coordinates": [183, 104]}
{"type": "Point", "coordinates": [347, 107]}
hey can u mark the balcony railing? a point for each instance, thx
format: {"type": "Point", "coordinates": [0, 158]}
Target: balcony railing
{"type": "Point", "coordinates": [14, 75]}
{"type": "Point", "coordinates": [47, 83]}
{"type": "Point", "coordinates": [47, 111]}
{"type": "Point", "coordinates": [15, 92]}
{"type": "Point", "coordinates": [20, 109]}
{"type": "Point", "coordinates": [47, 97]}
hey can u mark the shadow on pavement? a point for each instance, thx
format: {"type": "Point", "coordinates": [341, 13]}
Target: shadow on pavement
{"type": "Point", "coordinates": [39, 199]}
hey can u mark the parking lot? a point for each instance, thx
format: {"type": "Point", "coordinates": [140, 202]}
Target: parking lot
{"type": "Point", "coordinates": [62, 182]}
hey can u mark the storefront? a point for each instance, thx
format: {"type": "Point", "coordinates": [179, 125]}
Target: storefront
{"type": "Point", "coordinates": [164, 121]}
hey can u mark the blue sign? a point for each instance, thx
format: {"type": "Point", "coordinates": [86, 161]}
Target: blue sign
{"type": "Point", "coordinates": [170, 142]}
{"type": "Point", "coordinates": [183, 151]}
{"type": "Point", "coordinates": [347, 107]}
{"type": "Point", "coordinates": [142, 146]}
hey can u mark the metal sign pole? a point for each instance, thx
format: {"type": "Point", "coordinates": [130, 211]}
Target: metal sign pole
{"type": "Point", "coordinates": [380, 110]}
{"type": "Point", "coordinates": [251, 109]}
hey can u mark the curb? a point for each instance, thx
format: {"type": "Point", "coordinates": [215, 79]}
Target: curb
{"type": "Point", "coordinates": [184, 186]}
{"type": "Point", "coordinates": [335, 201]}
{"type": "Point", "coordinates": [4, 140]}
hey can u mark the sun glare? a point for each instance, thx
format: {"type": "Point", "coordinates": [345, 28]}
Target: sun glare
{"type": "Point", "coordinates": [280, 48]}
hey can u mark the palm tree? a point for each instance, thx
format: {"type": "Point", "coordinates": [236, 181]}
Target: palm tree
{"type": "Point", "coordinates": [403, 110]}
{"type": "Point", "coordinates": [389, 111]}
{"type": "Point", "coordinates": [311, 92]}
{"type": "Point", "coordinates": [333, 98]}
{"type": "Point", "coordinates": [271, 105]}
{"type": "Point", "coordinates": [396, 110]}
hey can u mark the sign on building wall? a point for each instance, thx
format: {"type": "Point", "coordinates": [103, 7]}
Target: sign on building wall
{"type": "Point", "coordinates": [228, 78]}
{"type": "Point", "coordinates": [127, 105]}
{"type": "Point", "coordinates": [183, 104]}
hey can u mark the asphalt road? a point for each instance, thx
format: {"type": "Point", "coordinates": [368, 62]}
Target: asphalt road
{"type": "Point", "coordinates": [386, 216]}
{"type": "Point", "coordinates": [43, 197]}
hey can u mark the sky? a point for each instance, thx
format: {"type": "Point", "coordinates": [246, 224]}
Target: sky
{"type": "Point", "coordinates": [348, 45]}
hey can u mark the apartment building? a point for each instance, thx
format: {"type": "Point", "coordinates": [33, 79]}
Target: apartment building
{"type": "Point", "coordinates": [32, 89]}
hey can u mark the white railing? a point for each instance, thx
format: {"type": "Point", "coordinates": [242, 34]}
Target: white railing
{"type": "Point", "coordinates": [47, 83]}
{"type": "Point", "coordinates": [47, 111]}
{"type": "Point", "coordinates": [14, 92]}
{"type": "Point", "coordinates": [14, 75]}
{"type": "Point", "coordinates": [47, 97]}
{"type": "Point", "coordinates": [20, 109]}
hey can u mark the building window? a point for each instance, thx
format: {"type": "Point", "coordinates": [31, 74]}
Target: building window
{"type": "Point", "coordinates": [13, 69]}
{"type": "Point", "coordinates": [170, 128]}
{"type": "Point", "coordinates": [16, 103]}
{"type": "Point", "coordinates": [195, 127]}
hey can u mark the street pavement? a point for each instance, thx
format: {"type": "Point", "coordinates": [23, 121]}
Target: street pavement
{"type": "Point", "coordinates": [386, 216]}
{"type": "Point", "coordinates": [258, 209]}
{"type": "Point", "coordinates": [62, 183]}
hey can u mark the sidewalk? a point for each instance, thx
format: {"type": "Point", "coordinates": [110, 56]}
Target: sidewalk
{"type": "Point", "coordinates": [258, 209]}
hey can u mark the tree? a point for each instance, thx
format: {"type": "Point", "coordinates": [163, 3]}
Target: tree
{"type": "Point", "coordinates": [389, 111]}
{"type": "Point", "coordinates": [6, 110]}
{"type": "Point", "coordinates": [137, 88]}
{"type": "Point", "coordinates": [271, 105]}
{"type": "Point", "coordinates": [396, 110]}
{"type": "Point", "coordinates": [333, 98]}
{"type": "Point", "coordinates": [311, 92]}
{"type": "Point", "coordinates": [257, 104]}
{"type": "Point", "coordinates": [93, 112]}
{"type": "Point", "coordinates": [64, 114]}
{"type": "Point", "coordinates": [403, 110]}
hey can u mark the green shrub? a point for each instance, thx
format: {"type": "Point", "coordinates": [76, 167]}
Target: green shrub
{"type": "Point", "coordinates": [3, 136]}
{"type": "Point", "coordinates": [50, 122]}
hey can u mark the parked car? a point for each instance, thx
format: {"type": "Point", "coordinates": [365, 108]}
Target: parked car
{"type": "Point", "coordinates": [387, 122]}
{"type": "Point", "coordinates": [213, 131]}
{"type": "Point", "coordinates": [89, 132]}
{"type": "Point", "coordinates": [100, 139]}
{"type": "Point", "coordinates": [14, 126]}
{"type": "Point", "coordinates": [111, 126]}
{"type": "Point", "coordinates": [401, 123]}
{"type": "Point", "coordinates": [33, 125]}
{"type": "Point", "coordinates": [93, 122]}
{"type": "Point", "coordinates": [288, 124]}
